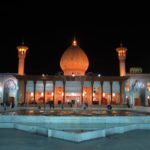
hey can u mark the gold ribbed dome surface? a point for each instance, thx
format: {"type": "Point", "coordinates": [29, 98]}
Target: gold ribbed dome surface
{"type": "Point", "coordinates": [74, 61]}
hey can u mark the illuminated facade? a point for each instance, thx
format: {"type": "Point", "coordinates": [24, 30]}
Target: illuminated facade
{"type": "Point", "coordinates": [75, 86]}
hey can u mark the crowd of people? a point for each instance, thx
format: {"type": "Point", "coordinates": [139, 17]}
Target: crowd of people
{"type": "Point", "coordinates": [50, 105]}
{"type": "Point", "coordinates": [6, 105]}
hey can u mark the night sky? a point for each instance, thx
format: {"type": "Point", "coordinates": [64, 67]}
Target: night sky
{"type": "Point", "coordinates": [49, 33]}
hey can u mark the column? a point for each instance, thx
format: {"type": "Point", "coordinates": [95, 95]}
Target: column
{"type": "Point", "coordinates": [53, 92]}
{"type": "Point", "coordinates": [146, 94]}
{"type": "Point", "coordinates": [82, 83]}
{"type": "Point", "coordinates": [34, 89]}
{"type": "Point", "coordinates": [111, 92]}
{"type": "Point", "coordinates": [44, 83]}
{"type": "Point", "coordinates": [21, 91]}
{"type": "Point", "coordinates": [92, 83]}
{"type": "Point", "coordinates": [121, 92]}
{"type": "Point", "coordinates": [64, 91]}
{"type": "Point", "coordinates": [101, 82]}
{"type": "Point", "coordinates": [25, 84]}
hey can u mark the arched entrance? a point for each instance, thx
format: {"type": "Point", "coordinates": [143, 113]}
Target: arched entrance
{"type": "Point", "coordinates": [10, 90]}
{"type": "Point", "coordinates": [73, 92]}
{"type": "Point", "coordinates": [137, 93]}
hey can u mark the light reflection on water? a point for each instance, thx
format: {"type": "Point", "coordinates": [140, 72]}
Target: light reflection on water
{"type": "Point", "coordinates": [77, 113]}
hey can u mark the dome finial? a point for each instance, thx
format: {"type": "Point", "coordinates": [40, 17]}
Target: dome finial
{"type": "Point", "coordinates": [121, 44]}
{"type": "Point", "coordinates": [22, 42]}
{"type": "Point", "coordinates": [74, 43]}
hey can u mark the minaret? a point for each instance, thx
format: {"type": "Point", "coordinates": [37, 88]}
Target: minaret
{"type": "Point", "coordinates": [21, 54]}
{"type": "Point", "coordinates": [122, 56]}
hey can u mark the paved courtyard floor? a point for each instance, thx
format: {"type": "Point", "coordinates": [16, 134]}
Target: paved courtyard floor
{"type": "Point", "coordinates": [11, 139]}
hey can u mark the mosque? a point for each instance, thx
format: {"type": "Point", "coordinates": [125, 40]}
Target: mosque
{"type": "Point", "coordinates": [75, 86]}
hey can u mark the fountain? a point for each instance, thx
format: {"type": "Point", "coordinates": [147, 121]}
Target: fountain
{"type": "Point", "coordinates": [75, 124]}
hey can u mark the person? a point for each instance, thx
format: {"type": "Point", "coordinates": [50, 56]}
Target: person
{"type": "Point", "coordinates": [109, 107]}
{"type": "Point", "coordinates": [84, 106]}
{"type": "Point", "coordinates": [131, 106]}
{"type": "Point", "coordinates": [4, 106]}
{"type": "Point", "coordinates": [39, 107]}
{"type": "Point", "coordinates": [53, 105]}
{"type": "Point", "coordinates": [71, 104]}
{"type": "Point", "coordinates": [62, 106]}
{"type": "Point", "coordinates": [128, 105]}
{"type": "Point", "coordinates": [50, 105]}
{"type": "Point", "coordinates": [12, 105]}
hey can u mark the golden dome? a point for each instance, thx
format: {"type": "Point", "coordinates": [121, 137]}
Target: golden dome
{"type": "Point", "coordinates": [74, 61]}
